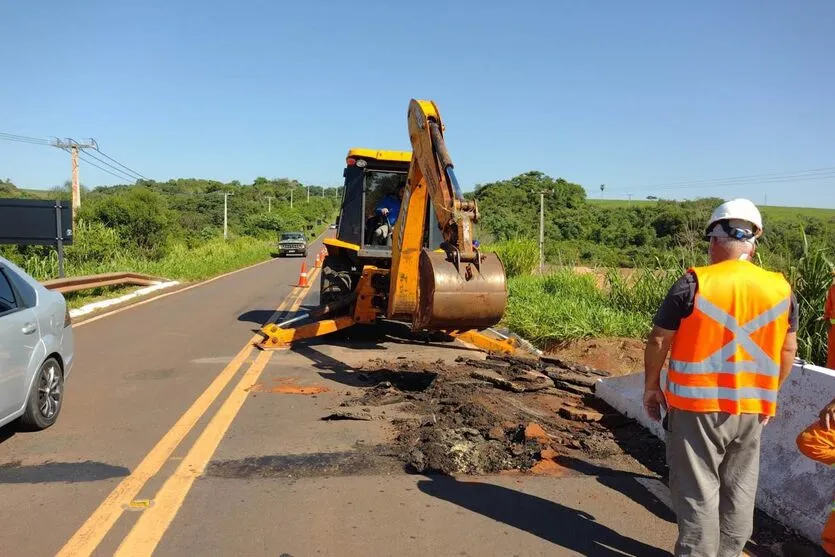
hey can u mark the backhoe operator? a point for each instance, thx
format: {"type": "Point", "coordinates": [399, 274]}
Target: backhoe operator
{"type": "Point", "coordinates": [389, 208]}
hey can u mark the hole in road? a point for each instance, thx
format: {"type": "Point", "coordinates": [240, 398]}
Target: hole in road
{"type": "Point", "coordinates": [412, 381]}
{"type": "Point", "coordinates": [379, 459]}
{"type": "Point", "coordinates": [55, 472]}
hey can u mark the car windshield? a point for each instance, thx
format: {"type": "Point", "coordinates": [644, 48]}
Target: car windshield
{"type": "Point", "coordinates": [292, 236]}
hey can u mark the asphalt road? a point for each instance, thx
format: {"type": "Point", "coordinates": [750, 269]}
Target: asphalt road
{"type": "Point", "coordinates": [178, 438]}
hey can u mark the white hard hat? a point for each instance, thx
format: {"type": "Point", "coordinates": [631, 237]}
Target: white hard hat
{"type": "Point", "coordinates": [740, 219]}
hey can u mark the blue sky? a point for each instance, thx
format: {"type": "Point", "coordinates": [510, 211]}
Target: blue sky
{"type": "Point", "coordinates": [627, 94]}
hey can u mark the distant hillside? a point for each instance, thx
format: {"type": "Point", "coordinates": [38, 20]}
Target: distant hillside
{"type": "Point", "coordinates": [622, 233]}
{"type": "Point", "coordinates": [768, 210]}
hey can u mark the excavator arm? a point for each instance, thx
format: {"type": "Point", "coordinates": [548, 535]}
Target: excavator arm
{"type": "Point", "coordinates": [458, 287]}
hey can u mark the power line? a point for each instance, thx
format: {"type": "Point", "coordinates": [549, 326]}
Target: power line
{"type": "Point", "coordinates": [5, 136]}
{"type": "Point", "coordinates": [83, 154]}
{"type": "Point", "coordinates": [23, 139]}
{"type": "Point", "coordinates": [770, 178]}
{"type": "Point", "coordinates": [117, 169]}
{"type": "Point", "coordinates": [122, 165]}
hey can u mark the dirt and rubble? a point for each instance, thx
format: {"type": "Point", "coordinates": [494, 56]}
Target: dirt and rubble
{"type": "Point", "coordinates": [481, 416]}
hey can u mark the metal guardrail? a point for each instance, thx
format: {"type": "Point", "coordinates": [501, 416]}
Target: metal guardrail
{"type": "Point", "coordinates": [74, 284]}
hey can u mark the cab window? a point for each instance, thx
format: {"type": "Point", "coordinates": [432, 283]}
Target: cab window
{"type": "Point", "coordinates": [377, 185]}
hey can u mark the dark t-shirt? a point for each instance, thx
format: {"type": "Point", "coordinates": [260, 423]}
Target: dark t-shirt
{"type": "Point", "coordinates": [680, 300]}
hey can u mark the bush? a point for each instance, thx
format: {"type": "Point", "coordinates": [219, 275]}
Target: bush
{"type": "Point", "coordinates": [139, 215]}
{"type": "Point", "coordinates": [93, 242]}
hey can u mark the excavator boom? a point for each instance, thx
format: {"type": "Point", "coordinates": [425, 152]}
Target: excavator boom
{"type": "Point", "coordinates": [457, 287]}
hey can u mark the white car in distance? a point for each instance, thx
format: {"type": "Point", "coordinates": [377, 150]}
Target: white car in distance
{"type": "Point", "coordinates": [36, 349]}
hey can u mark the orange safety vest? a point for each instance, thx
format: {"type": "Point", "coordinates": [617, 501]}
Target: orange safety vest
{"type": "Point", "coordinates": [726, 354]}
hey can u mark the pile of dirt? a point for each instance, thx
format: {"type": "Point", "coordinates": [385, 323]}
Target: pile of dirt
{"type": "Point", "coordinates": [493, 415]}
{"type": "Point", "coordinates": [618, 356]}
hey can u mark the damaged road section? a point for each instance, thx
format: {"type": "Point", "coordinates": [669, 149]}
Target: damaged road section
{"type": "Point", "coordinates": [500, 414]}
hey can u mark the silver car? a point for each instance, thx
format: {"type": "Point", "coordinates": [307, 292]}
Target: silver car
{"type": "Point", "coordinates": [36, 349]}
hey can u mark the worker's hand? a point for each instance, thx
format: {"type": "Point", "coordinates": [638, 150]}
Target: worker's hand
{"type": "Point", "coordinates": [764, 419]}
{"type": "Point", "coordinates": [384, 212]}
{"type": "Point", "coordinates": [827, 415]}
{"type": "Point", "coordinates": [654, 401]}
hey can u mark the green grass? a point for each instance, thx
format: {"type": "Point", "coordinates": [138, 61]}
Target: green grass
{"type": "Point", "coordinates": [208, 259]}
{"type": "Point", "coordinates": [773, 211]}
{"type": "Point", "coordinates": [565, 306]}
{"type": "Point", "coordinates": [84, 297]}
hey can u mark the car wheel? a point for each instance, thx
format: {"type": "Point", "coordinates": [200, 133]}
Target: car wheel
{"type": "Point", "coordinates": [305, 253]}
{"type": "Point", "coordinates": [46, 397]}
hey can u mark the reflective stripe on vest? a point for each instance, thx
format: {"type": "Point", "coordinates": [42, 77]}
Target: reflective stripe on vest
{"type": "Point", "coordinates": [718, 361]}
{"type": "Point", "coordinates": [726, 354]}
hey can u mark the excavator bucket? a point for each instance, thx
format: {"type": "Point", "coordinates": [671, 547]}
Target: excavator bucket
{"type": "Point", "coordinates": [459, 297]}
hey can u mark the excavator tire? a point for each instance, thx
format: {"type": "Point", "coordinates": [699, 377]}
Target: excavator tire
{"type": "Point", "coordinates": [339, 278]}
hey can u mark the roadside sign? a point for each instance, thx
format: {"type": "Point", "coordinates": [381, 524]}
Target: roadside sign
{"type": "Point", "coordinates": [30, 222]}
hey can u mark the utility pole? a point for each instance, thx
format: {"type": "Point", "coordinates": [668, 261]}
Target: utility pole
{"type": "Point", "coordinates": [542, 231]}
{"type": "Point", "coordinates": [269, 204]}
{"type": "Point", "coordinates": [225, 214]}
{"type": "Point", "coordinates": [291, 198]}
{"type": "Point", "coordinates": [308, 194]}
{"type": "Point", "coordinates": [72, 146]}
{"type": "Point", "coordinates": [630, 200]}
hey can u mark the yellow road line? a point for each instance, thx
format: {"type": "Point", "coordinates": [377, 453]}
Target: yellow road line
{"type": "Point", "coordinates": [96, 527]}
{"type": "Point", "coordinates": [154, 522]}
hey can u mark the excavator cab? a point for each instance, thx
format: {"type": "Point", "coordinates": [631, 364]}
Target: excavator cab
{"type": "Point", "coordinates": [373, 180]}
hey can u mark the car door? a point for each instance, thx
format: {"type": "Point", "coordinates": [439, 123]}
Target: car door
{"type": "Point", "coordinates": [18, 339]}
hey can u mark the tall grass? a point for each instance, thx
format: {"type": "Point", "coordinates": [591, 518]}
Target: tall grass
{"type": "Point", "coordinates": [565, 306]}
{"type": "Point", "coordinates": [520, 257]}
{"type": "Point", "coordinates": [810, 278]}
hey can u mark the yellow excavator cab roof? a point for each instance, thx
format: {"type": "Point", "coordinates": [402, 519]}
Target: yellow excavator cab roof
{"type": "Point", "coordinates": [392, 156]}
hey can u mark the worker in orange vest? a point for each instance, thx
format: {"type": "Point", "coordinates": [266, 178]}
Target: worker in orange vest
{"type": "Point", "coordinates": [729, 328]}
{"type": "Point", "coordinates": [829, 316]}
{"type": "Point", "coordinates": [818, 443]}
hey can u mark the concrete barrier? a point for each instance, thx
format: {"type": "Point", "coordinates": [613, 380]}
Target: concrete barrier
{"type": "Point", "coordinates": [793, 489]}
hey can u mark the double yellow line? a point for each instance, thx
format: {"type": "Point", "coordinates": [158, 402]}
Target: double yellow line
{"type": "Point", "coordinates": [155, 520]}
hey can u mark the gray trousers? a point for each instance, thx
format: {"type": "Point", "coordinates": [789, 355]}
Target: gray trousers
{"type": "Point", "coordinates": [714, 462]}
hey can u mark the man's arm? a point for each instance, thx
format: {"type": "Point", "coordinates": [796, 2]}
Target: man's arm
{"type": "Point", "coordinates": [787, 355]}
{"type": "Point", "coordinates": [655, 354]}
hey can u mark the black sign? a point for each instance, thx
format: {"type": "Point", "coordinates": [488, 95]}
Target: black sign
{"type": "Point", "coordinates": [35, 222]}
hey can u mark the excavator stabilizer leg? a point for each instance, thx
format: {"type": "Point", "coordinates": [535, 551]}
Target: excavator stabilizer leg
{"type": "Point", "coordinates": [277, 338]}
{"type": "Point", "coordinates": [486, 342]}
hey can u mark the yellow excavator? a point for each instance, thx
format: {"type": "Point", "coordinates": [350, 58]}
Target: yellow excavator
{"type": "Point", "coordinates": [424, 268]}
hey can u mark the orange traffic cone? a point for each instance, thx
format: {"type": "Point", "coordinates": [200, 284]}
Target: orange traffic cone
{"type": "Point", "coordinates": [319, 260]}
{"type": "Point", "coordinates": [303, 276]}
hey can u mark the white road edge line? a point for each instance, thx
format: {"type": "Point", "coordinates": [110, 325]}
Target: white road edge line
{"type": "Point", "coordinates": [91, 307]}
